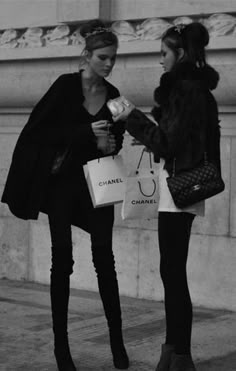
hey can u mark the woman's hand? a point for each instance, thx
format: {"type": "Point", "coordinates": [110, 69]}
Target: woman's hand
{"type": "Point", "coordinates": [128, 107]}
{"type": "Point", "coordinates": [106, 143]}
{"type": "Point", "coordinates": [136, 142]}
{"type": "Point", "coordinates": [111, 144]}
{"type": "Point", "coordinates": [100, 128]}
{"type": "Point", "coordinates": [105, 140]}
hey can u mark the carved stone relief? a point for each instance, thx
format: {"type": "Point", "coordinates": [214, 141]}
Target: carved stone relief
{"type": "Point", "coordinates": [150, 29]}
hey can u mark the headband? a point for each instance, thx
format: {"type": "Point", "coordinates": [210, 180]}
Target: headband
{"type": "Point", "coordinates": [97, 31]}
{"type": "Point", "coordinates": [179, 28]}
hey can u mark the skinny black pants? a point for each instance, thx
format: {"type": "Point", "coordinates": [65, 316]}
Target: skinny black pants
{"type": "Point", "coordinates": [65, 200]}
{"type": "Point", "coordinates": [174, 231]}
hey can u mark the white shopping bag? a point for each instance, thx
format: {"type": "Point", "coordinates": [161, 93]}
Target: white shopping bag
{"type": "Point", "coordinates": [141, 197]}
{"type": "Point", "coordinates": [106, 180]}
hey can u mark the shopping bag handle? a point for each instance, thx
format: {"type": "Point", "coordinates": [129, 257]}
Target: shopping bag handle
{"type": "Point", "coordinates": [144, 194]}
{"type": "Point", "coordinates": [141, 157]}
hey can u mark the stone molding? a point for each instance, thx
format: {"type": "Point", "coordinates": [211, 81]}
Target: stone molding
{"type": "Point", "coordinates": [66, 35]}
{"type": "Point", "coordinates": [29, 51]}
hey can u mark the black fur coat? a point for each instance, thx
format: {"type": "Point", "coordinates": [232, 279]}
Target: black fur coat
{"type": "Point", "coordinates": [187, 117]}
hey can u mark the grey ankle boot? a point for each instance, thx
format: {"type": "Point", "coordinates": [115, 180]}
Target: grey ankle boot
{"type": "Point", "coordinates": [166, 352]}
{"type": "Point", "coordinates": [181, 362]}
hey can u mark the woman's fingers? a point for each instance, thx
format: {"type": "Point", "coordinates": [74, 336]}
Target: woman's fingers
{"type": "Point", "coordinates": [100, 133]}
{"type": "Point", "coordinates": [100, 128]}
{"type": "Point", "coordinates": [124, 114]}
{"type": "Point", "coordinates": [136, 142]}
{"type": "Point", "coordinates": [112, 145]}
{"type": "Point", "coordinates": [100, 123]}
{"type": "Point", "coordinates": [112, 138]}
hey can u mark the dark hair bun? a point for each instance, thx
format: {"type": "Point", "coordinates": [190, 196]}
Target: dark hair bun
{"type": "Point", "coordinates": [90, 27]}
{"type": "Point", "coordinates": [197, 34]}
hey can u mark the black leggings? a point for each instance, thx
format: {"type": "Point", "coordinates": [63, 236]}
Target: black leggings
{"type": "Point", "coordinates": [64, 200]}
{"type": "Point", "coordinates": [174, 231]}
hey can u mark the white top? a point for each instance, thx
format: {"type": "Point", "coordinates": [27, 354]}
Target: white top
{"type": "Point", "coordinates": [166, 202]}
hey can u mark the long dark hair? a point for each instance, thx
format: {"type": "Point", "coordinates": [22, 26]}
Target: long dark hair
{"type": "Point", "coordinates": [192, 38]}
{"type": "Point", "coordinates": [97, 35]}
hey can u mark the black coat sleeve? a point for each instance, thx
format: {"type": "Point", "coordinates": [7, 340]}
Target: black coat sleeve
{"type": "Point", "coordinates": [48, 122]}
{"type": "Point", "coordinates": [184, 114]}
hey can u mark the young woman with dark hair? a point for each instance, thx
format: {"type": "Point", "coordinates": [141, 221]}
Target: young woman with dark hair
{"type": "Point", "coordinates": [69, 127]}
{"type": "Point", "coordinates": [188, 126]}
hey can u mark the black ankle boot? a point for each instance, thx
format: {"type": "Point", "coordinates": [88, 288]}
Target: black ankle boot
{"type": "Point", "coordinates": [120, 357]}
{"type": "Point", "coordinates": [166, 352]}
{"type": "Point", "coordinates": [64, 359]}
{"type": "Point", "coordinates": [182, 362]}
{"type": "Point", "coordinates": [64, 362]}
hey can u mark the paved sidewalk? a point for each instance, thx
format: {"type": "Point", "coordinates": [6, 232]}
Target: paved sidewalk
{"type": "Point", "coordinates": [26, 341]}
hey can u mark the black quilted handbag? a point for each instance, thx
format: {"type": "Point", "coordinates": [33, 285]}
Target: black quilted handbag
{"type": "Point", "coordinates": [195, 185]}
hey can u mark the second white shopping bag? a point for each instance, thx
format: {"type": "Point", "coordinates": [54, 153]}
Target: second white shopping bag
{"type": "Point", "coordinates": [141, 192]}
{"type": "Point", "coordinates": [106, 180]}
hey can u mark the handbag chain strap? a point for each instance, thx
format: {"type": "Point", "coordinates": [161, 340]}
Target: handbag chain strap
{"type": "Point", "coordinates": [174, 163]}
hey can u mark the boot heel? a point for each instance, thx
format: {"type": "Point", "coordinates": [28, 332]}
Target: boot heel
{"type": "Point", "coordinates": [120, 357]}
{"type": "Point", "coordinates": [166, 353]}
{"type": "Point", "coordinates": [182, 362]}
{"type": "Point", "coordinates": [64, 360]}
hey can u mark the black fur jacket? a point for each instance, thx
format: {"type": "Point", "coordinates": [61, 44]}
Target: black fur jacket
{"type": "Point", "coordinates": [187, 117]}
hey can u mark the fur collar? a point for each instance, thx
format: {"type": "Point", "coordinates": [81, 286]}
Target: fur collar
{"type": "Point", "coordinates": [188, 71]}
{"type": "Point", "coordinates": [206, 76]}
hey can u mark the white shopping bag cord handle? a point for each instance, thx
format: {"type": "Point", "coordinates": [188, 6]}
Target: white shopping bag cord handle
{"type": "Point", "coordinates": [144, 194]}
{"type": "Point", "coordinates": [99, 158]}
{"type": "Point", "coordinates": [150, 159]}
